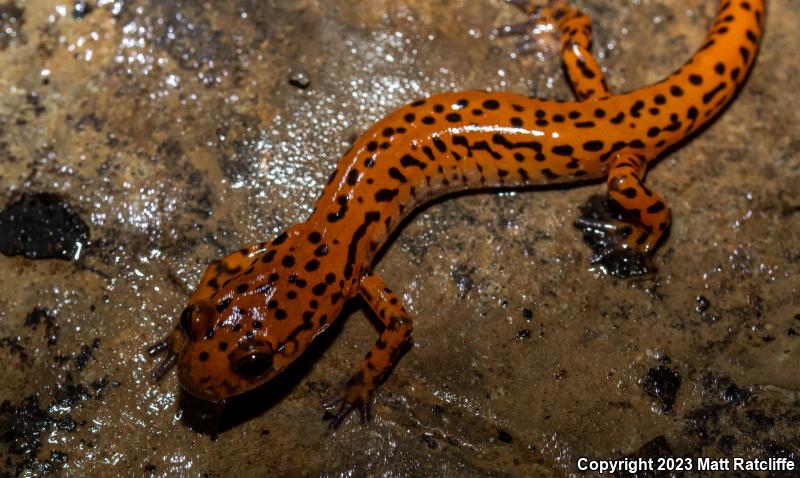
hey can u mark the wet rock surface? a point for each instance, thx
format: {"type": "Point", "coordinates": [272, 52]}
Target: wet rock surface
{"type": "Point", "coordinates": [180, 131]}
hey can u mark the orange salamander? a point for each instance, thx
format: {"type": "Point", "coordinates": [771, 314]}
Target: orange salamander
{"type": "Point", "coordinates": [256, 310]}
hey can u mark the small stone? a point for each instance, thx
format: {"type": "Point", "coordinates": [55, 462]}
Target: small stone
{"type": "Point", "coordinates": [299, 78]}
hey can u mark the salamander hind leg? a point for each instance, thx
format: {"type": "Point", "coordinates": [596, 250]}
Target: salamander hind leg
{"type": "Point", "coordinates": [624, 228]}
{"type": "Point", "coordinates": [574, 31]}
{"type": "Point", "coordinates": [380, 359]}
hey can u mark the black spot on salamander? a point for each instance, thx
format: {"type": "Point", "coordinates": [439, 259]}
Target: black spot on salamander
{"type": "Point", "coordinates": [657, 207]}
{"type": "Point", "coordinates": [241, 288]}
{"type": "Point", "coordinates": [428, 120]}
{"type": "Point", "coordinates": [312, 265]}
{"type": "Point", "coordinates": [484, 146]}
{"type": "Point", "coordinates": [439, 144]}
{"type": "Point", "coordinates": [428, 153]}
{"type": "Point", "coordinates": [710, 95]}
{"type": "Point", "coordinates": [408, 161]}
{"type": "Point", "coordinates": [314, 237]}
{"type": "Point", "coordinates": [385, 195]}
{"type": "Point", "coordinates": [653, 132]}
{"type": "Point", "coordinates": [614, 148]}
{"type": "Point", "coordinates": [637, 108]}
{"type": "Point", "coordinates": [388, 132]}
{"type": "Point", "coordinates": [352, 177]}
{"type": "Point", "coordinates": [659, 99]}
{"type": "Point", "coordinates": [335, 216]}
{"type": "Point", "coordinates": [491, 104]}
{"type": "Point", "coordinates": [223, 304]}
{"type": "Point", "coordinates": [562, 150]}
{"type": "Point", "coordinates": [501, 140]}
{"type": "Point", "coordinates": [599, 113]}
{"type": "Point", "coordinates": [696, 80]}
{"type": "Point", "coordinates": [516, 122]}
{"type": "Point", "coordinates": [280, 239]}
{"type": "Point", "coordinates": [395, 173]}
{"type": "Point", "coordinates": [288, 261]}
{"type": "Point", "coordinates": [409, 117]}
{"type": "Point", "coordinates": [558, 118]}
{"type": "Point", "coordinates": [585, 70]}
{"type": "Point", "coordinates": [319, 289]}
{"type": "Point", "coordinates": [453, 117]}
{"type": "Point", "coordinates": [676, 91]}
{"type": "Point", "coordinates": [619, 118]}
{"type": "Point", "coordinates": [594, 145]}
{"type": "Point", "coordinates": [321, 250]}
{"type": "Point", "coordinates": [418, 103]}
{"type": "Point", "coordinates": [574, 114]}
{"type": "Point", "coordinates": [438, 108]}
{"type": "Point", "coordinates": [585, 124]}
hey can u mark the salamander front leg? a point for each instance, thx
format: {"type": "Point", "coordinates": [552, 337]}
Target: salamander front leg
{"type": "Point", "coordinates": [624, 228]}
{"type": "Point", "coordinates": [574, 30]}
{"type": "Point", "coordinates": [382, 356]}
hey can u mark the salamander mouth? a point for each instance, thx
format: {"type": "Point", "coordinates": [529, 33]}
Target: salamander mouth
{"type": "Point", "coordinates": [203, 388]}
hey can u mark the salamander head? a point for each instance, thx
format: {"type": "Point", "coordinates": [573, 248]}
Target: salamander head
{"type": "Point", "coordinates": [260, 311]}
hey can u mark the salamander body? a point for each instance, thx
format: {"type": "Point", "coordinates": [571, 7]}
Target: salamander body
{"type": "Point", "coordinates": [254, 311]}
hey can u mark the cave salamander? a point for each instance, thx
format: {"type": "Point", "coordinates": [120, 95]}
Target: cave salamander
{"type": "Point", "coordinates": [257, 309]}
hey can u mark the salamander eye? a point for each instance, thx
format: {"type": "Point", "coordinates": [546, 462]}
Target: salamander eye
{"type": "Point", "coordinates": [196, 320]}
{"type": "Point", "coordinates": [253, 365]}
